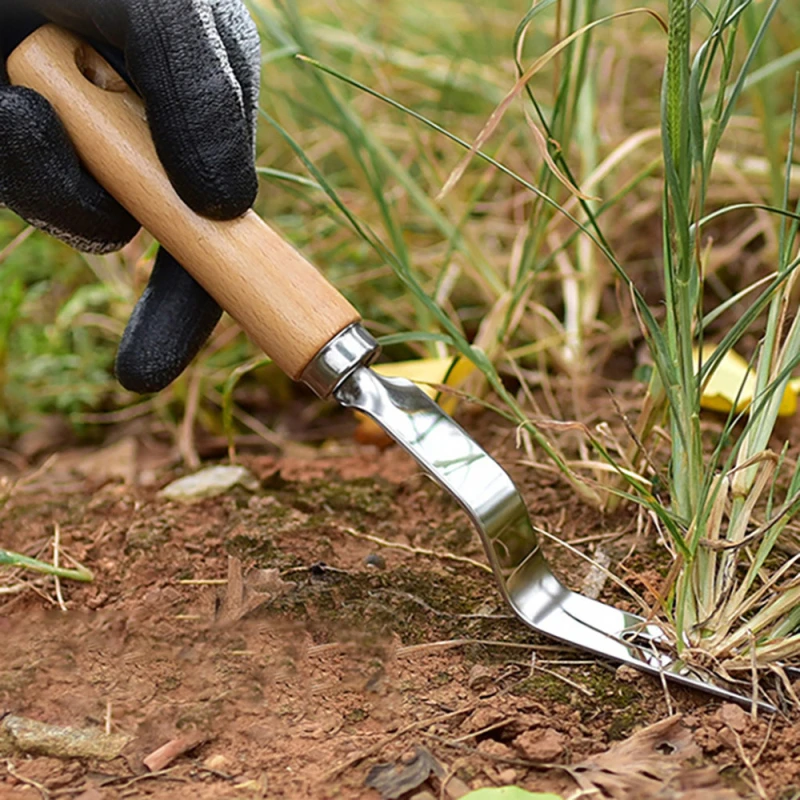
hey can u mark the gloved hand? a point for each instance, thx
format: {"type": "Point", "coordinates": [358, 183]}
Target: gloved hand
{"type": "Point", "coordinates": [196, 64]}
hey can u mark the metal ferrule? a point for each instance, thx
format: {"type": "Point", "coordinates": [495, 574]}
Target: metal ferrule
{"type": "Point", "coordinates": [354, 347]}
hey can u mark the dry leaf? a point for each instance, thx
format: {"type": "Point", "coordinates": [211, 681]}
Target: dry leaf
{"type": "Point", "coordinates": [651, 763]}
{"type": "Point", "coordinates": [395, 780]}
{"type": "Point", "coordinates": [245, 593]}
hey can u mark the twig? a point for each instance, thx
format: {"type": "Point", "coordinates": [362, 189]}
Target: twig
{"type": "Point", "coordinates": [418, 551]}
{"type": "Point", "coordinates": [765, 742]}
{"type": "Point", "coordinates": [573, 684]}
{"type": "Point", "coordinates": [515, 762]}
{"type": "Point", "coordinates": [17, 588]}
{"type": "Point", "coordinates": [16, 242]}
{"type": "Point", "coordinates": [446, 644]}
{"type": "Point", "coordinates": [56, 547]}
{"type": "Point", "coordinates": [161, 758]}
{"type": "Point", "coordinates": [376, 748]}
{"type": "Point", "coordinates": [754, 676]}
{"type": "Point", "coordinates": [574, 550]}
{"type": "Point", "coordinates": [186, 439]}
{"type": "Point", "coordinates": [749, 764]}
{"type": "Point", "coordinates": [667, 694]}
{"type": "Point", "coordinates": [29, 781]}
{"type": "Point", "coordinates": [493, 727]}
{"type": "Point", "coordinates": [146, 776]}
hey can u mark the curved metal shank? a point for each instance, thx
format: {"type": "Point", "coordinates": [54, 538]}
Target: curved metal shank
{"type": "Point", "coordinates": [488, 495]}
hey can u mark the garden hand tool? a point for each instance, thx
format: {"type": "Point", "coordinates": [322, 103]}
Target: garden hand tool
{"type": "Point", "coordinates": [314, 335]}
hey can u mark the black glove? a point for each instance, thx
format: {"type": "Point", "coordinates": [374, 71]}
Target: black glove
{"type": "Point", "coordinates": [196, 64]}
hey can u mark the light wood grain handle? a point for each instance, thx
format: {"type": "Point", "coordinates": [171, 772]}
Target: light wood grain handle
{"type": "Point", "coordinates": [283, 303]}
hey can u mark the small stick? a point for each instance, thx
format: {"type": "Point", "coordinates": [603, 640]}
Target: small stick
{"type": "Point", "coordinates": [376, 748]}
{"type": "Point", "coordinates": [754, 675]}
{"type": "Point", "coordinates": [56, 546]}
{"type": "Point", "coordinates": [29, 781]}
{"type": "Point", "coordinates": [15, 243]}
{"type": "Point", "coordinates": [161, 758]}
{"type": "Point", "coordinates": [16, 589]}
{"type": "Point", "coordinates": [493, 727]}
{"type": "Point", "coordinates": [759, 787]}
{"type": "Point", "coordinates": [418, 551]}
{"type": "Point", "coordinates": [765, 742]}
{"type": "Point", "coordinates": [446, 644]}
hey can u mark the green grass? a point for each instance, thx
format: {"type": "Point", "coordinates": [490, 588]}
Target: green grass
{"type": "Point", "coordinates": [540, 189]}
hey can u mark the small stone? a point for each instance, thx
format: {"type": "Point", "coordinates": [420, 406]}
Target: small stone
{"type": "Point", "coordinates": [480, 678]}
{"type": "Point", "coordinates": [727, 737]}
{"type": "Point", "coordinates": [508, 777]}
{"type": "Point", "coordinates": [627, 674]}
{"type": "Point", "coordinates": [217, 762]}
{"type": "Point", "coordinates": [97, 600]}
{"type": "Point", "coordinates": [524, 722]}
{"type": "Point", "coordinates": [494, 748]}
{"type": "Point", "coordinates": [375, 561]}
{"type": "Point", "coordinates": [209, 482]}
{"type": "Point", "coordinates": [542, 744]}
{"type": "Point", "coordinates": [733, 716]}
{"type": "Point", "coordinates": [482, 718]}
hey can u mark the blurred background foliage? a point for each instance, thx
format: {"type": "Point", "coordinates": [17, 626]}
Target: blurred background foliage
{"type": "Point", "coordinates": [504, 265]}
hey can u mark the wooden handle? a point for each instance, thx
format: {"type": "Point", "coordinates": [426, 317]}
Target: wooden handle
{"type": "Point", "coordinates": [283, 303]}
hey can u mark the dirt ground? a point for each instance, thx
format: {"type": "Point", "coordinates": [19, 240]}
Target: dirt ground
{"type": "Point", "coordinates": [327, 653]}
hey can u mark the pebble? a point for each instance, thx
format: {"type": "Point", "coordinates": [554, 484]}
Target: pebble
{"type": "Point", "coordinates": [375, 561]}
{"type": "Point", "coordinates": [627, 674]}
{"type": "Point", "coordinates": [508, 777]}
{"type": "Point", "coordinates": [480, 678]}
{"type": "Point", "coordinates": [542, 744]}
{"type": "Point", "coordinates": [482, 718]}
{"type": "Point", "coordinates": [217, 762]}
{"type": "Point", "coordinates": [734, 716]}
{"type": "Point", "coordinates": [209, 482]}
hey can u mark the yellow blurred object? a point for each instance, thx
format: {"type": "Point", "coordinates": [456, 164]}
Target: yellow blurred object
{"type": "Point", "coordinates": [427, 373]}
{"type": "Point", "coordinates": [734, 382]}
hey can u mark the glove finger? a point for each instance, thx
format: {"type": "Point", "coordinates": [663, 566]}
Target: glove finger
{"type": "Point", "coordinates": [41, 178]}
{"type": "Point", "coordinates": [170, 324]}
{"type": "Point", "coordinates": [195, 104]}
{"type": "Point", "coordinates": [243, 45]}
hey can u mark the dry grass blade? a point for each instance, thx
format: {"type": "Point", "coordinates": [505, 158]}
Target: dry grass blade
{"type": "Point", "coordinates": [497, 115]}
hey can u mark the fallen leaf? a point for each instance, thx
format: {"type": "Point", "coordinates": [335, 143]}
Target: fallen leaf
{"type": "Point", "coordinates": [733, 382]}
{"type": "Point", "coordinates": [427, 374]}
{"type": "Point", "coordinates": [246, 593]}
{"type": "Point", "coordinates": [648, 762]}
{"type": "Point", "coordinates": [395, 780]}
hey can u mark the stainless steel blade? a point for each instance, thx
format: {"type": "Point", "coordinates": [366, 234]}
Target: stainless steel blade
{"type": "Point", "coordinates": [487, 493]}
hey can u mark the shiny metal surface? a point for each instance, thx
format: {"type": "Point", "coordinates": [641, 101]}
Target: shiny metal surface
{"type": "Point", "coordinates": [352, 348]}
{"type": "Point", "coordinates": [488, 495]}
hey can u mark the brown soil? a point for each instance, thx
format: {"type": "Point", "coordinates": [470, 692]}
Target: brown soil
{"type": "Point", "coordinates": [350, 665]}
